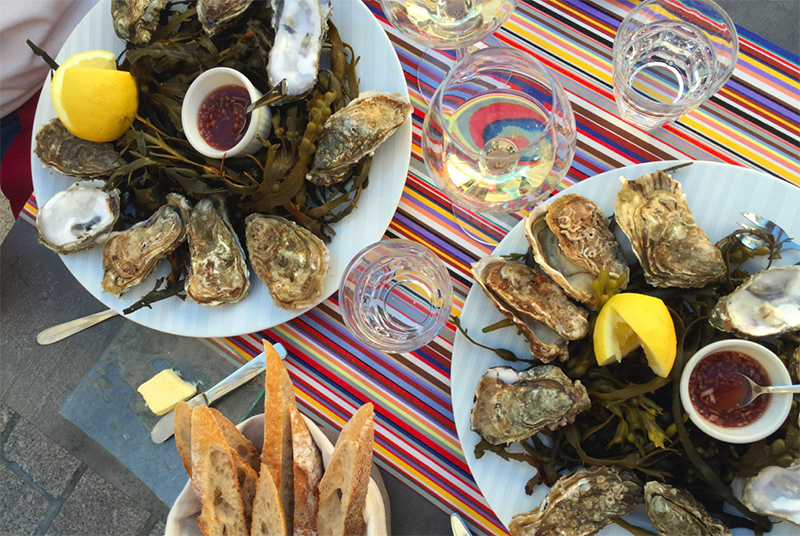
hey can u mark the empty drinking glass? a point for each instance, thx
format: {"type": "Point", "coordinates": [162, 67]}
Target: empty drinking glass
{"type": "Point", "coordinates": [669, 57]}
{"type": "Point", "coordinates": [395, 296]}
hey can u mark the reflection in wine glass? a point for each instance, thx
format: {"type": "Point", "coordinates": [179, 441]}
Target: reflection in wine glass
{"type": "Point", "coordinates": [499, 135]}
{"type": "Point", "coordinates": [445, 24]}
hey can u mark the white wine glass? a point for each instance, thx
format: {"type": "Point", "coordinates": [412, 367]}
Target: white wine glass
{"type": "Point", "coordinates": [498, 137]}
{"type": "Point", "coordinates": [445, 25]}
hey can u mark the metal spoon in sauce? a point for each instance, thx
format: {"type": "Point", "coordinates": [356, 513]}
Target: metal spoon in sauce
{"type": "Point", "coordinates": [751, 390]}
{"type": "Point", "coordinates": [274, 94]}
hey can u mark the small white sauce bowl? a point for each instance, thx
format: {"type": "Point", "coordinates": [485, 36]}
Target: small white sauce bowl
{"type": "Point", "coordinates": [777, 408]}
{"type": "Point", "coordinates": [202, 87]}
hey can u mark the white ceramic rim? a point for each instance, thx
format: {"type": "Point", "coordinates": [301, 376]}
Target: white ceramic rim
{"type": "Point", "coordinates": [777, 409]}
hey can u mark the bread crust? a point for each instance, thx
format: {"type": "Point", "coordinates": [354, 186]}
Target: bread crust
{"type": "Point", "coordinates": [268, 518]}
{"type": "Point", "coordinates": [248, 482]}
{"type": "Point", "coordinates": [240, 444]}
{"type": "Point", "coordinates": [183, 434]}
{"type": "Point", "coordinates": [307, 475]}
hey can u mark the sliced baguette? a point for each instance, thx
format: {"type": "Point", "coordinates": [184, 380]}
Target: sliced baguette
{"type": "Point", "coordinates": [183, 434]}
{"type": "Point", "coordinates": [307, 475]}
{"type": "Point", "coordinates": [214, 478]}
{"type": "Point", "coordinates": [277, 452]}
{"type": "Point", "coordinates": [243, 447]}
{"type": "Point", "coordinates": [248, 482]}
{"type": "Point", "coordinates": [343, 489]}
{"type": "Point", "coordinates": [268, 519]}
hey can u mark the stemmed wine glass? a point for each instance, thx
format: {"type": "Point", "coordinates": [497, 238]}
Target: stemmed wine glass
{"type": "Point", "coordinates": [499, 135]}
{"type": "Point", "coordinates": [445, 24]}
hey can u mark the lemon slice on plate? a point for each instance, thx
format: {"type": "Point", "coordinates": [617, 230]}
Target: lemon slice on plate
{"type": "Point", "coordinates": [628, 321]}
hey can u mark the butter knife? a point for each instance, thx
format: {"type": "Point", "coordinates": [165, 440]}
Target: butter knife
{"type": "Point", "coordinates": [165, 427]}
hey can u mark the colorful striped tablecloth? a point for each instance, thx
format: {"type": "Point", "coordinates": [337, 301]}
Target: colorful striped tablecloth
{"type": "Point", "coordinates": [754, 121]}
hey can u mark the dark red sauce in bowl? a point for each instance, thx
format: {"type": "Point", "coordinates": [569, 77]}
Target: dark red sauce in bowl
{"type": "Point", "coordinates": [221, 118]}
{"type": "Point", "coordinates": [715, 389]}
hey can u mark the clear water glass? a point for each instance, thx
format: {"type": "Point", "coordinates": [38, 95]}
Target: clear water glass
{"type": "Point", "coordinates": [395, 296]}
{"type": "Point", "coordinates": [669, 57]}
{"type": "Point", "coordinates": [499, 134]}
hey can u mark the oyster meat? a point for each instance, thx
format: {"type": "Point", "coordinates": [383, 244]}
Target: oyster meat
{"type": "Point", "coordinates": [674, 511]}
{"type": "Point", "coordinates": [768, 303]}
{"type": "Point", "coordinates": [132, 255]}
{"type": "Point", "coordinates": [775, 491]}
{"type": "Point", "coordinates": [288, 258]}
{"type": "Point", "coordinates": [513, 405]}
{"type": "Point", "coordinates": [136, 20]}
{"type": "Point", "coordinates": [215, 15]}
{"type": "Point", "coordinates": [299, 32]}
{"type": "Point", "coordinates": [672, 250]}
{"type": "Point", "coordinates": [355, 132]}
{"type": "Point", "coordinates": [58, 148]}
{"type": "Point", "coordinates": [537, 306]}
{"type": "Point", "coordinates": [218, 272]}
{"type": "Point", "coordinates": [79, 218]}
{"type": "Point", "coordinates": [581, 503]}
{"type": "Point", "coordinates": [571, 241]}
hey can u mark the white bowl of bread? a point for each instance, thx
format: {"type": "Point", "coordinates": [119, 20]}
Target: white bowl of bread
{"type": "Point", "coordinates": [326, 489]}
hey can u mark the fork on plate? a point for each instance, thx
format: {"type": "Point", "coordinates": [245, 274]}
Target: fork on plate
{"type": "Point", "coordinates": [754, 221]}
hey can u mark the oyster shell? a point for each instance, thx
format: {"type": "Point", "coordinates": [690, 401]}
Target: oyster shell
{"type": "Point", "coordinates": [58, 148]}
{"type": "Point", "coordinates": [537, 306]}
{"type": "Point", "coordinates": [299, 32]}
{"type": "Point", "coordinates": [571, 242]}
{"type": "Point", "coordinates": [79, 218]}
{"type": "Point", "coordinates": [215, 15]}
{"type": "Point", "coordinates": [675, 511]}
{"type": "Point", "coordinates": [672, 249]}
{"type": "Point", "coordinates": [513, 405]}
{"type": "Point", "coordinates": [132, 255]}
{"type": "Point", "coordinates": [581, 503]}
{"type": "Point", "coordinates": [218, 272]}
{"type": "Point", "coordinates": [136, 20]}
{"type": "Point", "coordinates": [775, 491]}
{"type": "Point", "coordinates": [355, 132]}
{"type": "Point", "coordinates": [288, 258]}
{"type": "Point", "coordinates": [768, 303]}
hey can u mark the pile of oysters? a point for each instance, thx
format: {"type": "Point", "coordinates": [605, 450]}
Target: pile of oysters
{"type": "Point", "coordinates": [287, 257]}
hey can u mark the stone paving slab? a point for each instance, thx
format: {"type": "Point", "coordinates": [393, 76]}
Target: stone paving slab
{"type": "Point", "coordinates": [5, 416]}
{"type": "Point", "coordinates": [45, 461]}
{"type": "Point", "coordinates": [97, 507]}
{"type": "Point", "coordinates": [22, 509]}
{"type": "Point", "coordinates": [158, 529]}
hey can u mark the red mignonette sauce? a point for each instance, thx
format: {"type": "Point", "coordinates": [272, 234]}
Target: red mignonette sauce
{"type": "Point", "coordinates": [715, 389]}
{"type": "Point", "coordinates": [221, 119]}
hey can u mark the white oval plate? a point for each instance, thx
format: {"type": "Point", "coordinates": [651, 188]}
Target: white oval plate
{"type": "Point", "coordinates": [378, 69]}
{"type": "Point", "coordinates": [716, 194]}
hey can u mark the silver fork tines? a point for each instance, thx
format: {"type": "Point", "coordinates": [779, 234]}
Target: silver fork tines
{"type": "Point", "coordinates": [759, 222]}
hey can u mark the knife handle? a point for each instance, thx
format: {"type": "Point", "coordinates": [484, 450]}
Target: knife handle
{"type": "Point", "coordinates": [245, 373]}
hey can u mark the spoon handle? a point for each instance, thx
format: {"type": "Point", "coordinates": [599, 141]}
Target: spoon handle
{"type": "Point", "coordinates": [782, 389]}
{"type": "Point", "coordinates": [62, 331]}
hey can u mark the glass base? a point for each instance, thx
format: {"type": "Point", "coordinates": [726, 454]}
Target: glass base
{"type": "Point", "coordinates": [485, 229]}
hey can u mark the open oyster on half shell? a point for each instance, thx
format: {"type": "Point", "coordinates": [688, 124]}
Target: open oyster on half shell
{"type": "Point", "coordinates": [132, 255]}
{"type": "Point", "coordinates": [538, 307]}
{"type": "Point", "coordinates": [674, 511]}
{"type": "Point", "coordinates": [571, 242]}
{"type": "Point", "coordinates": [136, 20]}
{"type": "Point", "coordinates": [513, 405]}
{"type": "Point", "coordinates": [672, 250]}
{"type": "Point", "coordinates": [299, 35]}
{"type": "Point", "coordinates": [581, 503]}
{"type": "Point", "coordinates": [775, 491]}
{"type": "Point", "coordinates": [59, 148]}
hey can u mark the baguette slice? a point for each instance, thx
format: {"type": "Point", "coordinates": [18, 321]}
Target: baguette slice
{"type": "Point", "coordinates": [343, 489]}
{"type": "Point", "coordinates": [240, 444]}
{"type": "Point", "coordinates": [307, 475]}
{"type": "Point", "coordinates": [248, 482]}
{"type": "Point", "coordinates": [277, 452]}
{"type": "Point", "coordinates": [183, 434]}
{"type": "Point", "coordinates": [268, 519]}
{"type": "Point", "coordinates": [214, 478]}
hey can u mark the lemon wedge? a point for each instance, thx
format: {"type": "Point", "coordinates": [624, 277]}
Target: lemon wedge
{"type": "Point", "coordinates": [628, 321]}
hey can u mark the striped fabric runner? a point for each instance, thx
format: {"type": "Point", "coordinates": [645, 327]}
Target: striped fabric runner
{"type": "Point", "coordinates": [753, 121]}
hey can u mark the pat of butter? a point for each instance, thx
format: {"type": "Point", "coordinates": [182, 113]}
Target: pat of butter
{"type": "Point", "coordinates": [163, 391]}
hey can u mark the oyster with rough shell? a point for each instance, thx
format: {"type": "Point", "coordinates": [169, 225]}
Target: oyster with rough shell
{"type": "Point", "coordinates": [766, 304]}
{"type": "Point", "coordinates": [572, 243]}
{"type": "Point", "coordinates": [538, 307]}
{"type": "Point", "coordinates": [775, 491]}
{"type": "Point", "coordinates": [355, 132]}
{"type": "Point", "coordinates": [288, 258]}
{"type": "Point", "coordinates": [215, 15]}
{"type": "Point", "coordinates": [218, 272]}
{"type": "Point", "coordinates": [513, 405]}
{"type": "Point", "coordinates": [581, 503]}
{"type": "Point", "coordinates": [672, 250]}
{"type": "Point", "coordinates": [132, 255]}
{"type": "Point", "coordinates": [59, 148]}
{"type": "Point", "coordinates": [79, 218]}
{"type": "Point", "coordinates": [674, 511]}
{"type": "Point", "coordinates": [299, 35]}
{"type": "Point", "coordinates": [136, 20]}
